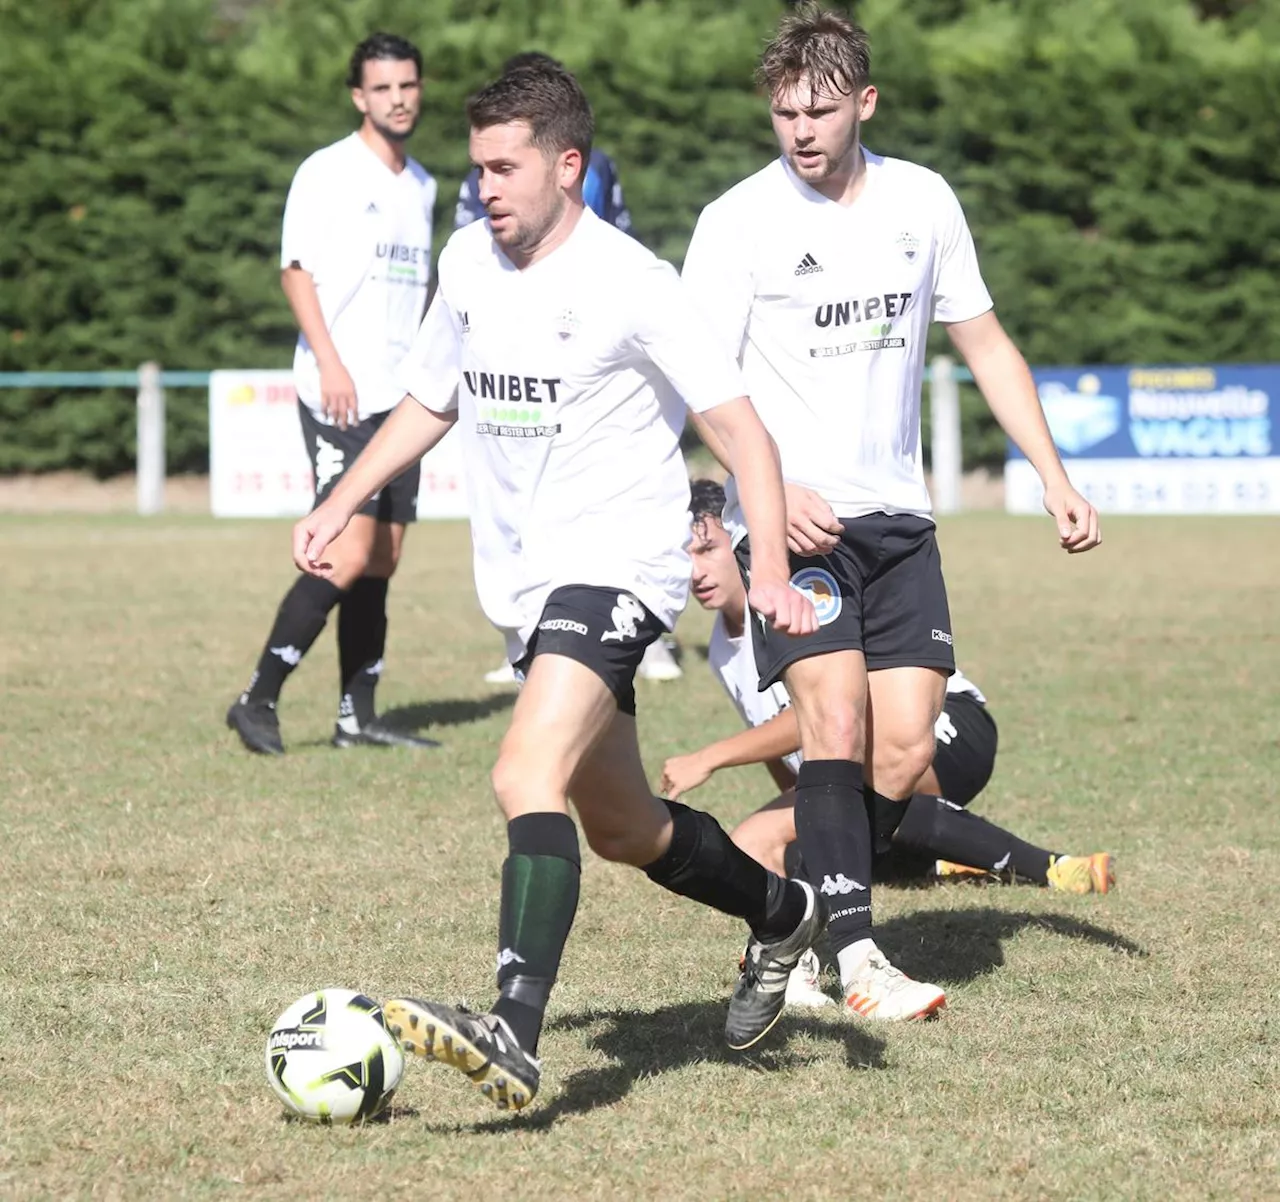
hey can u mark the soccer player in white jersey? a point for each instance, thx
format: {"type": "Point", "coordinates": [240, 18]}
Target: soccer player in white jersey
{"type": "Point", "coordinates": [822, 273]}
{"type": "Point", "coordinates": [562, 349]}
{"type": "Point", "coordinates": [355, 265]}
{"type": "Point", "coordinates": [932, 833]}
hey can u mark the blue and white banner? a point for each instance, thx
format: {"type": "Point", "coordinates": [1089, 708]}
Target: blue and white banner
{"type": "Point", "coordinates": [1185, 439]}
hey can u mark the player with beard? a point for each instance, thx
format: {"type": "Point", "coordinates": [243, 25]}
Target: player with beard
{"type": "Point", "coordinates": [355, 266]}
{"type": "Point", "coordinates": [822, 273]}
{"type": "Point", "coordinates": [566, 353]}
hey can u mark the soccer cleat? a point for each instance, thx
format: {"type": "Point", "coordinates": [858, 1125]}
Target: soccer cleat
{"type": "Point", "coordinates": [479, 1045]}
{"type": "Point", "coordinates": [659, 662]}
{"type": "Point", "coordinates": [505, 674]}
{"type": "Point", "coordinates": [258, 726]}
{"type": "Point", "coordinates": [1082, 874]}
{"type": "Point", "coordinates": [761, 991]}
{"type": "Point", "coordinates": [803, 989]}
{"type": "Point", "coordinates": [375, 733]}
{"type": "Point", "coordinates": [949, 870]}
{"type": "Point", "coordinates": [882, 992]}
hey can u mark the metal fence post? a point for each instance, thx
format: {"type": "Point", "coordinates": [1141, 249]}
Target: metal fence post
{"type": "Point", "coordinates": [944, 435]}
{"type": "Point", "coordinates": [150, 466]}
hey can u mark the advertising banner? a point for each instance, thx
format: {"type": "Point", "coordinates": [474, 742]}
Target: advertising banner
{"type": "Point", "coordinates": [259, 466]}
{"type": "Point", "coordinates": [1189, 439]}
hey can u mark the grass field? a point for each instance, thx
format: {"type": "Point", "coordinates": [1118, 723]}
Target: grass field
{"type": "Point", "coordinates": [165, 896]}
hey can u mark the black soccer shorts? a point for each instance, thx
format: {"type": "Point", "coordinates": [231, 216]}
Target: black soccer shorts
{"type": "Point", "coordinates": [332, 451]}
{"type": "Point", "coordinates": [965, 754]}
{"type": "Point", "coordinates": [606, 629]}
{"type": "Point", "coordinates": [879, 591]}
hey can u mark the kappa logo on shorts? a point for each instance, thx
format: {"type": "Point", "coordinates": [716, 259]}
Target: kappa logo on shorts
{"type": "Point", "coordinates": [941, 636]}
{"type": "Point", "coordinates": [567, 624]}
{"type": "Point", "coordinates": [330, 462]}
{"type": "Point", "coordinates": [821, 588]}
{"type": "Point", "coordinates": [626, 614]}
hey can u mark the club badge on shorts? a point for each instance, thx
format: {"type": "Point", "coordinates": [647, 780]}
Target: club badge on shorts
{"type": "Point", "coordinates": [821, 588]}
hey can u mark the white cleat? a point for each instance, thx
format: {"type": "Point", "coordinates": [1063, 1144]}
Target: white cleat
{"type": "Point", "coordinates": [803, 989]}
{"type": "Point", "coordinates": [881, 992]}
{"type": "Point", "coordinates": [659, 663]}
{"type": "Point", "coordinates": [503, 675]}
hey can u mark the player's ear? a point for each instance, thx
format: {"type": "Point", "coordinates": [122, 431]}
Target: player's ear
{"type": "Point", "coordinates": [357, 98]}
{"type": "Point", "coordinates": [570, 167]}
{"type": "Point", "coordinates": [867, 103]}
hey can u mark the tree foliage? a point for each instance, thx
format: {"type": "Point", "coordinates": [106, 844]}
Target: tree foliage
{"type": "Point", "coordinates": [1118, 160]}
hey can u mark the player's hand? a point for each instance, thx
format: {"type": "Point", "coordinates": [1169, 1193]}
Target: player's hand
{"type": "Point", "coordinates": [681, 773]}
{"type": "Point", "coordinates": [790, 610]}
{"type": "Point", "coordinates": [338, 396]}
{"type": "Point", "coordinates": [812, 526]}
{"type": "Point", "coordinates": [1077, 520]}
{"type": "Point", "coordinates": [313, 534]}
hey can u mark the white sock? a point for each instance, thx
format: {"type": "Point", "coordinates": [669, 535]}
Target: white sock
{"type": "Point", "coordinates": [853, 959]}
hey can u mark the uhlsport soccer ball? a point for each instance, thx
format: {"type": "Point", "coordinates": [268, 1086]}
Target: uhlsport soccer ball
{"type": "Point", "coordinates": [330, 1058]}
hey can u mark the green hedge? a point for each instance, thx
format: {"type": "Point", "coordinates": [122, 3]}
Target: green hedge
{"type": "Point", "coordinates": [1118, 160]}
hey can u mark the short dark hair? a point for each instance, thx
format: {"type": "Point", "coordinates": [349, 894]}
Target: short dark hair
{"type": "Point", "coordinates": [706, 500]}
{"type": "Point", "coordinates": [531, 58]}
{"type": "Point", "coordinates": [381, 46]}
{"type": "Point", "coordinates": [821, 45]}
{"type": "Point", "coordinates": [548, 99]}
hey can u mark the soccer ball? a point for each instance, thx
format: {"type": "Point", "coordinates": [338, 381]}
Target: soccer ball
{"type": "Point", "coordinates": [330, 1058]}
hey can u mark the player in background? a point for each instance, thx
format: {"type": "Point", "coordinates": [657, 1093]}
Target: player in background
{"type": "Point", "coordinates": [602, 194]}
{"type": "Point", "coordinates": [822, 273]}
{"type": "Point", "coordinates": [355, 265]}
{"type": "Point", "coordinates": [933, 832]}
{"type": "Point", "coordinates": [566, 353]}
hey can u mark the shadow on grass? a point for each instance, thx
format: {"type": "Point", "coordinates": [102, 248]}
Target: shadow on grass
{"type": "Point", "coordinates": [646, 1044]}
{"type": "Point", "coordinates": [456, 712]}
{"type": "Point", "coordinates": [954, 946]}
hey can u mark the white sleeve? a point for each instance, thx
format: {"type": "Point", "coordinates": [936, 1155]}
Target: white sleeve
{"type": "Point", "coordinates": [719, 279]}
{"type": "Point", "coordinates": [305, 221]}
{"type": "Point", "coordinates": [669, 330]}
{"type": "Point", "coordinates": [959, 293]}
{"type": "Point", "coordinates": [429, 372]}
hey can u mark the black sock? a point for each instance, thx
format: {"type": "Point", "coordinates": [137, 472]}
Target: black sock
{"type": "Point", "coordinates": [834, 835]}
{"type": "Point", "coordinates": [704, 864]}
{"type": "Point", "coordinates": [947, 832]}
{"type": "Point", "coordinates": [540, 881]}
{"type": "Point", "coordinates": [793, 864]}
{"type": "Point", "coordinates": [299, 621]}
{"type": "Point", "coordinates": [885, 816]}
{"type": "Point", "coordinates": [362, 641]}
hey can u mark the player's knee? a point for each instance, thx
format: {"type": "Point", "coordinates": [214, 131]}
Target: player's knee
{"type": "Point", "coordinates": [619, 846]}
{"type": "Point", "coordinates": [898, 766]}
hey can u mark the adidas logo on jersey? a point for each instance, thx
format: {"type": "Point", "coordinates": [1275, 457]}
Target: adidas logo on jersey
{"type": "Point", "coordinates": [808, 266]}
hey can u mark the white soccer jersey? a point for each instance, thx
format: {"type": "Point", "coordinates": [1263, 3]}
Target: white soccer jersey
{"type": "Point", "coordinates": [567, 378]}
{"type": "Point", "coordinates": [363, 231]}
{"type": "Point", "coordinates": [827, 307]}
{"type": "Point", "coordinates": [734, 663]}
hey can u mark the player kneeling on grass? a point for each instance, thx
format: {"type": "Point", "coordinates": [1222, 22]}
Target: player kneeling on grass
{"type": "Point", "coordinates": [932, 833]}
{"type": "Point", "coordinates": [561, 347]}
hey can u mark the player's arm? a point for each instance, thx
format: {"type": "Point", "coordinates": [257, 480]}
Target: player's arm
{"type": "Point", "coordinates": [764, 744]}
{"type": "Point", "coordinates": [1005, 380]}
{"type": "Point", "coordinates": [337, 390]}
{"type": "Point", "coordinates": [963, 304]}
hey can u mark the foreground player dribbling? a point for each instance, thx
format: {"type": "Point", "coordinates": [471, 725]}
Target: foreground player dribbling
{"type": "Point", "coordinates": [561, 348]}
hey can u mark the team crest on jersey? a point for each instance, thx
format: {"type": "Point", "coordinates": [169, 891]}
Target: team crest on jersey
{"type": "Point", "coordinates": [567, 323]}
{"type": "Point", "coordinates": [821, 588]}
{"type": "Point", "coordinates": [909, 245]}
